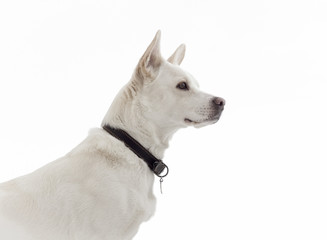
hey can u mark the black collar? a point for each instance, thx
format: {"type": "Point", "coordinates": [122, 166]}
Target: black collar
{"type": "Point", "coordinates": [156, 165]}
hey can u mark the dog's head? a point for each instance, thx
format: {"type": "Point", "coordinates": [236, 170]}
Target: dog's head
{"type": "Point", "coordinates": [170, 97]}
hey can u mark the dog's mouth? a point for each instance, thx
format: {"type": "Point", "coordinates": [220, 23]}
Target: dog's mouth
{"type": "Point", "coordinates": [187, 120]}
{"type": "Point", "coordinates": [205, 121]}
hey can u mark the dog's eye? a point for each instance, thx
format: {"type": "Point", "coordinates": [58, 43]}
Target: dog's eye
{"type": "Point", "coordinates": [182, 86]}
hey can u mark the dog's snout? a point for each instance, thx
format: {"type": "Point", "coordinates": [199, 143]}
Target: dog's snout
{"type": "Point", "coordinates": [217, 101]}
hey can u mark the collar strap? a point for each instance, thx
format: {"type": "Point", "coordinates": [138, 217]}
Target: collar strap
{"type": "Point", "coordinates": [156, 165]}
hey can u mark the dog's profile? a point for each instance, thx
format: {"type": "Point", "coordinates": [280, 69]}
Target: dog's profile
{"type": "Point", "coordinates": [103, 189]}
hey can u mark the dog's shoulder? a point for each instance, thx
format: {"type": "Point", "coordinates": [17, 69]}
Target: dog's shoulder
{"type": "Point", "coordinates": [82, 183]}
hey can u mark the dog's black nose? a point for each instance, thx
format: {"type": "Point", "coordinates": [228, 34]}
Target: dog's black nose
{"type": "Point", "coordinates": [217, 101]}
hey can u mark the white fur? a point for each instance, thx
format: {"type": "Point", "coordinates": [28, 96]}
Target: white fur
{"type": "Point", "coordinates": [102, 190]}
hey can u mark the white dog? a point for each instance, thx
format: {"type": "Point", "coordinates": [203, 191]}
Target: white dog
{"type": "Point", "coordinates": [103, 188]}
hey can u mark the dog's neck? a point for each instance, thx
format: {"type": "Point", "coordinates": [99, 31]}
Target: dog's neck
{"type": "Point", "coordinates": [126, 113]}
{"type": "Point", "coordinates": [152, 138]}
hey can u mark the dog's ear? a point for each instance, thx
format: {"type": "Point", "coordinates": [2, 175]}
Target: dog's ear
{"type": "Point", "coordinates": [149, 64]}
{"type": "Point", "coordinates": [178, 55]}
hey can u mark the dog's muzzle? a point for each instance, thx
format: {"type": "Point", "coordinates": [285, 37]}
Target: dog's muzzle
{"type": "Point", "coordinates": [209, 115]}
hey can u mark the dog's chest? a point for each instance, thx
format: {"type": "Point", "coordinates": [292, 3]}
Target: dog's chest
{"type": "Point", "coordinates": [118, 203]}
{"type": "Point", "coordinates": [122, 215]}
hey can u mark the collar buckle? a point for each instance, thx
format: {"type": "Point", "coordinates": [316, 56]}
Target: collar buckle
{"type": "Point", "coordinates": [159, 167]}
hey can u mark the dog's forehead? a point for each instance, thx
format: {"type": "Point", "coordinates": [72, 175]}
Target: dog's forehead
{"type": "Point", "coordinates": [192, 81]}
{"type": "Point", "coordinates": [189, 79]}
{"type": "Point", "coordinates": [177, 74]}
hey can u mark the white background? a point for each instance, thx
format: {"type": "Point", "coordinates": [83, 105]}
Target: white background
{"type": "Point", "coordinates": [259, 173]}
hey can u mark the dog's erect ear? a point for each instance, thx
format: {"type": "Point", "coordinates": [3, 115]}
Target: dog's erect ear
{"type": "Point", "coordinates": [151, 60]}
{"type": "Point", "coordinates": [178, 55]}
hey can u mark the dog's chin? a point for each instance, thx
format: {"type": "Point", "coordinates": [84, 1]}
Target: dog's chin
{"type": "Point", "coordinates": [202, 122]}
